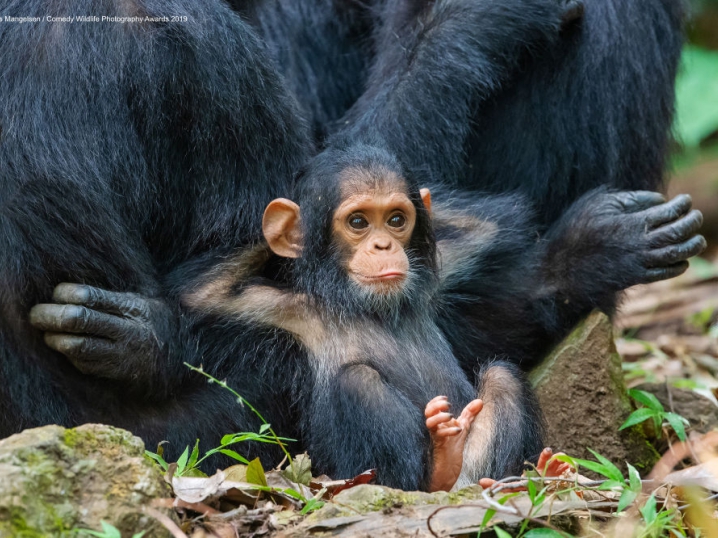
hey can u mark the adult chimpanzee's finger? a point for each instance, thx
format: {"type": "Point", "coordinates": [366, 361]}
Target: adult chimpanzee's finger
{"type": "Point", "coordinates": [634, 201]}
{"type": "Point", "coordinates": [669, 211]}
{"type": "Point", "coordinates": [573, 11]}
{"type": "Point", "coordinates": [675, 253]}
{"type": "Point", "coordinates": [99, 299]}
{"type": "Point", "coordinates": [80, 348]}
{"type": "Point", "coordinates": [678, 231]}
{"type": "Point", "coordinates": [64, 318]}
{"type": "Point", "coordinates": [664, 273]}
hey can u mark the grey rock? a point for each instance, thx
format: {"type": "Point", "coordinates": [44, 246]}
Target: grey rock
{"type": "Point", "coordinates": [581, 390]}
{"type": "Point", "coordinates": [56, 480]}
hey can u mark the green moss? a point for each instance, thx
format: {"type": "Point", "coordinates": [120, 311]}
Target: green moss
{"type": "Point", "coordinates": [72, 438]}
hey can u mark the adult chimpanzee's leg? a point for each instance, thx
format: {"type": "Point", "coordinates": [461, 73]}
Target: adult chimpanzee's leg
{"type": "Point", "coordinates": [491, 96]}
{"type": "Point", "coordinates": [594, 108]}
{"type": "Point", "coordinates": [128, 149]}
{"type": "Point", "coordinates": [437, 63]}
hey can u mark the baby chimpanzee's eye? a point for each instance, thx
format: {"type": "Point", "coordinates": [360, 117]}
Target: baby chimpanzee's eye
{"type": "Point", "coordinates": [358, 222]}
{"type": "Point", "coordinates": [396, 221]}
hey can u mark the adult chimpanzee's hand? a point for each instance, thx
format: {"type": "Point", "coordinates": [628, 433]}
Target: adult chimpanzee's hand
{"type": "Point", "coordinates": [619, 239]}
{"type": "Point", "coordinates": [121, 336]}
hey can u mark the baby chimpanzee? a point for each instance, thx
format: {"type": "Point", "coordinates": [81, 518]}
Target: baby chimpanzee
{"type": "Point", "coordinates": [363, 288]}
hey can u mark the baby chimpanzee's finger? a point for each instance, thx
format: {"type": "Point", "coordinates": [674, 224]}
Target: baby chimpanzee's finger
{"type": "Point", "coordinates": [677, 231]}
{"type": "Point", "coordinates": [470, 412]}
{"type": "Point", "coordinates": [669, 211]}
{"type": "Point", "coordinates": [449, 431]}
{"type": "Point", "coordinates": [436, 405]}
{"type": "Point", "coordinates": [434, 421]}
{"type": "Point", "coordinates": [544, 457]}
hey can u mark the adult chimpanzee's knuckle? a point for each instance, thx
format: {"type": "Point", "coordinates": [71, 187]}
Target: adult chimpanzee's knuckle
{"type": "Point", "coordinates": [74, 318]}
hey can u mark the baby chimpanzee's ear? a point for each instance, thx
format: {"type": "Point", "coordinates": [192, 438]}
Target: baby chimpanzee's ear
{"type": "Point", "coordinates": [282, 229]}
{"type": "Point", "coordinates": [426, 198]}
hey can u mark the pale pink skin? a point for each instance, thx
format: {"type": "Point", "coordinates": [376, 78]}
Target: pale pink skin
{"type": "Point", "coordinates": [448, 435]}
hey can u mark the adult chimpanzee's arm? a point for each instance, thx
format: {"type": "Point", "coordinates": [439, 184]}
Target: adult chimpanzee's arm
{"type": "Point", "coordinates": [508, 293]}
{"type": "Point", "coordinates": [435, 64]}
{"type": "Point", "coordinates": [189, 134]}
{"type": "Point", "coordinates": [609, 241]}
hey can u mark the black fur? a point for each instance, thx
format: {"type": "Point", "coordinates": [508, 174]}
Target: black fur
{"type": "Point", "coordinates": [129, 149]}
{"type": "Point", "coordinates": [135, 157]}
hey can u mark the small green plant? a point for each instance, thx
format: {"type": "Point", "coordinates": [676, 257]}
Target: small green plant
{"type": "Point", "coordinates": [630, 488]}
{"type": "Point", "coordinates": [108, 531]}
{"type": "Point", "coordinates": [188, 463]}
{"type": "Point", "coordinates": [660, 522]}
{"type": "Point", "coordinates": [653, 410]}
{"type": "Point", "coordinates": [299, 467]}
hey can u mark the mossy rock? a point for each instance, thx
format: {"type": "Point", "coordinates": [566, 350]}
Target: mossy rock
{"type": "Point", "coordinates": [56, 480]}
{"type": "Point", "coordinates": [581, 391]}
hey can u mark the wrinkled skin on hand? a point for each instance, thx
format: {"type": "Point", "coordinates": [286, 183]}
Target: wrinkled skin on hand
{"type": "Point", "coordinates": [120, 336]}
{"type": "Point", "coordinates": [630, 237]}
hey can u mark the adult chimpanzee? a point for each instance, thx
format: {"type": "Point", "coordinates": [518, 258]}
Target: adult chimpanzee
{"type": "Point", "coordinates": [358, 286]}
{"type": "Point", "coordinates": [487, 94]}
{"type": "Point", "coordinates": [128, 149]}
{"type": "Point", "coordinates": [167, 172]}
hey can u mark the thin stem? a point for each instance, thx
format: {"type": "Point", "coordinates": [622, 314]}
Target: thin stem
{"type": "Point", "coordinates": [241, 400]}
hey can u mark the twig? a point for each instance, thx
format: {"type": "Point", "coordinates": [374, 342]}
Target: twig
{"type": "Point", "coordinates": [166, 522]}
{"type": "Point", "coordinates": [200, 508]}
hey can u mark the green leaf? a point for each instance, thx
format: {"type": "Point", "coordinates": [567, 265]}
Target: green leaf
{"type": "Point", "coordinates": [501, 533]}
{"type": "Point", "coordinates": [696, 116]}
{"type": "Point", "coordinates": [676, 422]}
{"type": "Point", "coordinates": [646, 398]}
{"type": "Point", "coordinates": [182, 461]}
{"type": "Point", "coordinates": [611, 484]}
{"type": "Point", "coordinates": [194, 456]}
{"type": "Point", "coordinates": [238, 457]}
{"type": "Point", "coordinates": [638, 416]}
{"type": "Point", "coordinates": [312, 504]}
{"type": "Point", "coordinates": [592, 466]}
{"type": "Point", "coordinates": [264, 427]}
{"type": "Point", "coordinates": [531, 487]}
{"type": "Point", "coordinates": [139, 534]}
{"type": "Point", "coordinates": [543, 533]}
{"type": "Point", "coordinates": [294, 494]}
{"type": "Point", "coordinates": [615, 472]}
{"type": "Point", "coordinates": [255, 473]}
{"type": "Point", "coordinates": [634, 479]}
{"type": "Point", "coordinates": [300, 470]}
{"type": "Point", "coordinates": [648, 510]}
{"type": "Point", "coordinates": [159, 459]}
{"type": "Point", "coordinates": [627, 497]}
{"type": "Point", "coordinates": [109, 531]}
{"type": "Point", "coordinates": [487, 517]}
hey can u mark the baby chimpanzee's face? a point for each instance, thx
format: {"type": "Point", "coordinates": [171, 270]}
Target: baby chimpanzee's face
{"type": "Point", "coordinates": [374, 227]}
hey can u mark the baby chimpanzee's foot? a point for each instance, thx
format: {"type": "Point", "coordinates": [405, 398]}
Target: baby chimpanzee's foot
{"type": "Point", "coordinates": [448, 435]}
{"type": "Point", "coordinates": [547, 465]}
